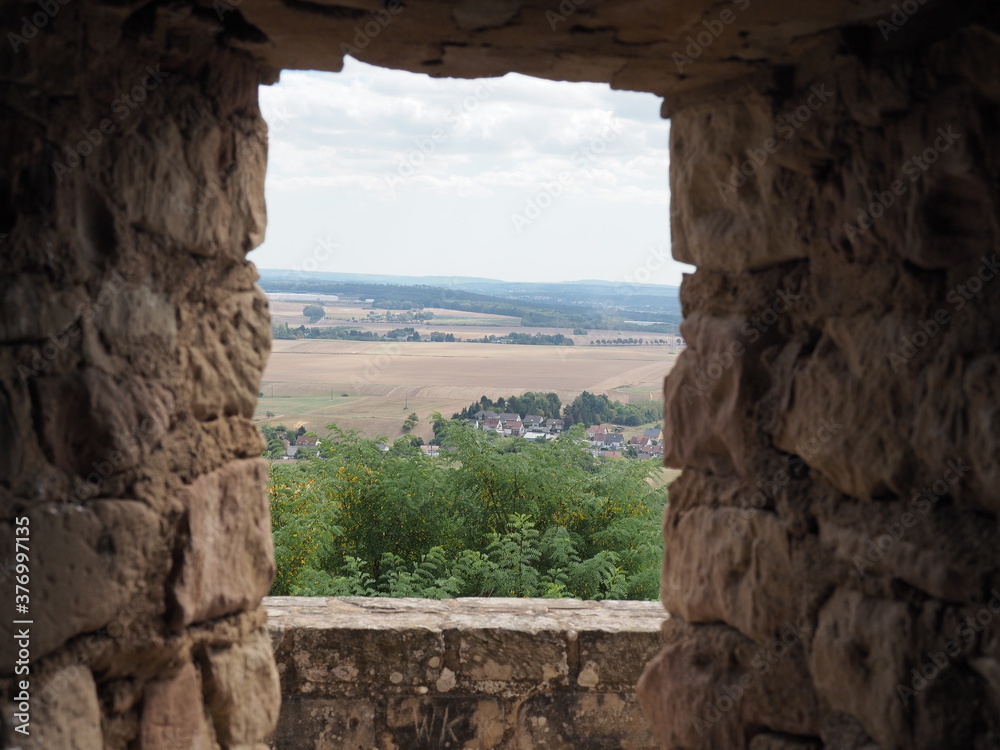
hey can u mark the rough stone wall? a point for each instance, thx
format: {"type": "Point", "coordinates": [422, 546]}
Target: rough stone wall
{"type": "Point", "coordinates": [415, 674]}
{"type": "Point", "coordinates": [831, 547]}
{"type": "Point", "coordinates": [132, 338]}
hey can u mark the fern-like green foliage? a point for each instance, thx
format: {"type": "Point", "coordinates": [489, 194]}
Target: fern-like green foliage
{"type": "Point", "coordinates": [490, 517]}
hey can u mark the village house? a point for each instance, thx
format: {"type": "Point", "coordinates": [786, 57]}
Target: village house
{"type": "Point", "coordinates": [513, 428]}
{"type": "Point", "coordinates": [604, 441]}
{"type": "Point", "coordinates": [651, 451]}
{"type": "Point", "coordinates": [597, 432]}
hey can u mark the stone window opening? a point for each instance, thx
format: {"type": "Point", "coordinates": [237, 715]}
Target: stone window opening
{"type": "Point", "coordinates": [467, 671]}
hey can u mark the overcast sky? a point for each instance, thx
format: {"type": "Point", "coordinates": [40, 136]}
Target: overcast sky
{"type": "Point", "coordinates": [515, 178]}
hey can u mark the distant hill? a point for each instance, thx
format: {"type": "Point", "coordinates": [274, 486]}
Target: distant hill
{"type": "Point", "coordinates": [592, 293]}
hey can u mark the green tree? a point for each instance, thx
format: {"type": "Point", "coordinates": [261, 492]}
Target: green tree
{"type": "Point", "coordinates": [314, 313]}
{"type": "Point", "coordinates": [494, 516]}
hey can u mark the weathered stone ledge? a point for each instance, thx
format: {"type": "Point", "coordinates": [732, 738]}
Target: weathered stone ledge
{"type": "Point", "coordinates": [463, 673]}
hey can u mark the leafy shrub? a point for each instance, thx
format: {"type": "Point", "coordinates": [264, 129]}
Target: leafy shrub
{"type": "Point", "coordinates": [490, 517]}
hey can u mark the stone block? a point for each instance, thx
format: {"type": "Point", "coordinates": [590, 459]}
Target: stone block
{"type": "Point", "coordinates": [309, 723]}
{"type": "Point", "coordinates": [350, 660]}
{"type": "Point", "coordinates": [616, 658]}
{"type": "Point", "coordinates": [139, 313]}
{"type": "Point", "coordinates": [939, 550]}
{"type": "Point", "coordinates": [505, 656]}
{"type": "Point", "coordinates": [241, 690]}
{"type": "Point", "coordinates": [731, 565]}
{"type": "Point", "coordinates": [422, 723]}
{"type": "Point", "coordinates": [848, 384]}
{"type": "Point", "coordinates": [730, 682]}
{"type": "Point", "coordinates": [722, 217]}
{"type": "Point", "coordinates": [173, 717]}
{"type": "Point", "coordinates": [31, 309]}
{"type": "Point", "coordinates": [226, 356]}
{"type": "Point", "coordinates": [96, 425]}
{"type": "Point", "coordinates": [87, 565]}
{"type": "Point", "coordinates": [859, 659]}
{"type": "Point", "coordinates": [66, 711]}
{"type": "Point", "coordinates": [583, 721]}
{"type": "Point", "coordinates": [227, 560]}
{"type": "Point", "coordinates": [710, 393]}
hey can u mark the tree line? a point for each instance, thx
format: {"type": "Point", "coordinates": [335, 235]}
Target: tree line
{"type": "Point", "coordinates": [546, 405]}
{"type": "Point", "coordinates": [587, 409]}
{"type": "Point", "coordinates": [527, 339]}
{"type": "Point", "coordinates": [532, 314]}
{"type": "Point", "coordinates": [284, 331]}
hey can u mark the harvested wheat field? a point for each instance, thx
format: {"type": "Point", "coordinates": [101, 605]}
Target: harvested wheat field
{"type": "Point", "coordinates": [372, 386]}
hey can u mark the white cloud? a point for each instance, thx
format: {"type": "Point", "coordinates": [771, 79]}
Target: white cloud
{"type": "Point", "coordinates": [419, 175]}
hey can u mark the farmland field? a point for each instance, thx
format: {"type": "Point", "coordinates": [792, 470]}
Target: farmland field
{"type": "Point", "coordinates": [372, 386]}
{"type": "Point", "coordinates": [464, 325]}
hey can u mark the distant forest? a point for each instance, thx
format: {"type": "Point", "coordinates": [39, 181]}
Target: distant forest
{"type": "Point", "coordinates": [532, 313]}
